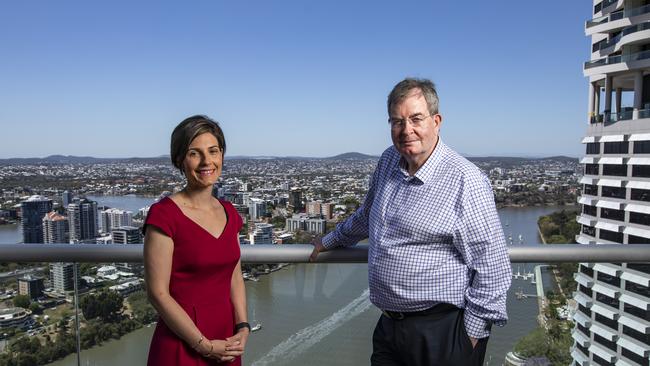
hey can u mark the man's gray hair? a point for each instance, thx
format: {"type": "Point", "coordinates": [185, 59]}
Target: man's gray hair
{"type": "Point", "coordinates": [404, 87]}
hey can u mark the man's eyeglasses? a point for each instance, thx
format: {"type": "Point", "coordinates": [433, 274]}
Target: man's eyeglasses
{"type": "Point", "coordinates": [415, 120]}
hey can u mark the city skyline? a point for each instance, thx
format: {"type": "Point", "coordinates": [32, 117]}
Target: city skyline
{"type": "Point", "coordinates": [288, 79]}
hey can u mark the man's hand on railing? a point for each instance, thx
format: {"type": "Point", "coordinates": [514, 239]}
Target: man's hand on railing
{"type": "Point", "coordinates": [318, 247]}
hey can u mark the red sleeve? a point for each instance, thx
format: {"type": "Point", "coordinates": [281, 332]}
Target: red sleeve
{"type": "Point", "coordinates": [160, 217]}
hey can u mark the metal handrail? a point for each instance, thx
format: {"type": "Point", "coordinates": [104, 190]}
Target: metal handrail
{"type": "Point", "coordinates": [299, 253]}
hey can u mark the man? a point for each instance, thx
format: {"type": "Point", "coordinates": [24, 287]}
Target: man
{"type": "Point", "coordinates": [438, 265]}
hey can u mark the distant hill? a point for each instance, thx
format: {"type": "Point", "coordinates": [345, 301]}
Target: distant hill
{"type": "Point", "coordinates": [515, 160]}
{"type": "Point", "coordinates": [351, 156]}
{"type": "Point", "coordinates": [69, 159]}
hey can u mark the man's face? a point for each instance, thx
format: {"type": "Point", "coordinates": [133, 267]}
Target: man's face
{"type": "Point", "coordinates": [415, 142]}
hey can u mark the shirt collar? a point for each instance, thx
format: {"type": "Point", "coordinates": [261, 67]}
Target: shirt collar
{"type": "Point", "coordinates": [426, 172]}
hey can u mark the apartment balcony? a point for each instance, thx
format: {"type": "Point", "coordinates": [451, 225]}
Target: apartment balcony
{"type": "Point", "coordinates": [617, 20]}
{"type": "Point", "coordinates": [618, 63]}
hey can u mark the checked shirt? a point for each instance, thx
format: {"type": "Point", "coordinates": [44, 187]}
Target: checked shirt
{"type": "Point", "coordinates": [435, 237]}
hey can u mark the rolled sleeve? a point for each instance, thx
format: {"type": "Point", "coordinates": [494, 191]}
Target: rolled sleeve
{"type": "Point", "coordinates": [481, 242]}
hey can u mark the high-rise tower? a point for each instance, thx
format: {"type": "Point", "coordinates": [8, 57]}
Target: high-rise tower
{"type": "Point", "coordinates": [82, 215]}
{"type": "Point", "coordinates": [33, 210]}
{"type": "Point", "coordinates": [613, 317]}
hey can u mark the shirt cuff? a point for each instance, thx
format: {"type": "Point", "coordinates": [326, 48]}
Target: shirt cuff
{"type": "Point", "coordinates": [476, 327]}
{"type": "Point", "coordinates": [330, 240]}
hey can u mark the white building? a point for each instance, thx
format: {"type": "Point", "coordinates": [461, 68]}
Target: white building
{"type": "Point", "coordinates": [114, 218]}
{"type": "Point", "coordinates": [613, 317]}
{"type": "Point", "coordinates": [263, 234]}
{"type": "Point", "coordinates": [256, 208]}
{"type": "Point", "coordinates": [55, 228]}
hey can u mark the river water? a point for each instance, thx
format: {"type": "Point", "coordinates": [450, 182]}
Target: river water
{"type": "Point", "coordinates": [319, 314]}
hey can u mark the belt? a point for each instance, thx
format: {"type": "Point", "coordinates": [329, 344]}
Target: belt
{"type": "Point", "coordinates": [436, 309]}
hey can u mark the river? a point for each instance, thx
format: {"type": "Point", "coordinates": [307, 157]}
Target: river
{"type": "Point", "coordinates": [319, 314]}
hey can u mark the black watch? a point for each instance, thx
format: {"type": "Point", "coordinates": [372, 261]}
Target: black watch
{"type": "Point", "coordinates": [242, 325]}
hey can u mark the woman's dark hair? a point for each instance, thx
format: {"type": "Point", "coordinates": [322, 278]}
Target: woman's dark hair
{"type": "Point", "coordinates": [187, 131]}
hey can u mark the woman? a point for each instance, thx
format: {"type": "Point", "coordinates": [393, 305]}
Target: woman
{"type": "Point", "coordinates": [191, 255]}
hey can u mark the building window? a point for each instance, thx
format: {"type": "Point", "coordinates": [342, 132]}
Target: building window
{"type": "Point", "coordinates": [640, 218]}
{"type": "Point", "coordinates": [612, 280]}
{"type": "Point", "coordinates": [583, 329]}
{"type": "Point", "coordinates": [593, 148]}
{"type": "Point", "coordinates": [613, 192]}
{"type": "Point", "coordinates": [642, 147]}
{"type": "Point", "coordinates": [633, 239]}
{"type": "Point", "coordinates": [589, 230]}
{"type": "Point", "coordinates": [600, 361]}
{"type": "Point", "coordinates": [585, 311]}
{"type": "Point", "coordinates": [592, 189]}
{"type": "Point", "coordinates": [616, 147]}
{"type": "Point", "coordinates": [641, 267]}
{"type": "Point", "coordinates": [639, 313]}
{"type": "Point", "coordinates": [619, 170]}
{"type": "Point", "coordinates": [598, 7]}
{"type": "Point", "coordinates": [611, 214]}
{"type": "Point", "coordinates": [641, 171]}
{"type": "Point", "coordinates": [582, 349]}
{"type": "Point", "coordinates": [611, 236]}
{"type": "Point", "coordinates": [607, 300]}
{"type": "Point", "coordinates": [637, 289]}
{"type": "Point", "coordinates": [645, 338]}
{"type": "Point", "coordinates": [640, 194]}
{"type": "Point", "coordinates": [607, 321]}
{"type": "Point", "coordinates": [640, 360]}
{"type": "Point", "coordinates": [605, 342]}
{"type": "Point", "coordinates": [589, 210]}
{"type": "Point", "coordinates": [591, 169]}
{"type": "Point", "coordinates": [585, 290]}
{"type": "Point", "coordinates": [586, 270]}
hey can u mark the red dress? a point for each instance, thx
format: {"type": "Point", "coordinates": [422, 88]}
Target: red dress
{"type": "Point", "coordinates": [202, 267]}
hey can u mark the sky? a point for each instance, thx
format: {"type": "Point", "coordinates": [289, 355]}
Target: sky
{"type": "Point", "coordinates": [289, 78]}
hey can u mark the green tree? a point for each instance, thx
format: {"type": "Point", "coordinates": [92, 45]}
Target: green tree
{"type": "Point", "coordinates": [107, 305]}
{"type": "Point", "coordinates": [22, 301]}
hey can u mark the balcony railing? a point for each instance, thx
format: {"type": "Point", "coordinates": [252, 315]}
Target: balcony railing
{"type": "Point", "coordinates": [299, 253]}
{"type": "Point", "coordinates": [610, 60]}
{"type": "Point", "coordinates": [618, 15]}
{"type": "Point", "coordinates": [624, 115]}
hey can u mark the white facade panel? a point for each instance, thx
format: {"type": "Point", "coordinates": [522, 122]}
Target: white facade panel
{"type": "Point", "coordinates": [584, 280]}
{"type": "Point", "coordinates": [582, 319]}
{"type": "Point", "coordinates": [637, 184]}
{"type": "Point", "coordinates": [633, 345]}
{"type": "Point", "coordinates": [612, 138]}
{"type": "Point", "coordinates": [637, 231]}
{"type": "Point", "coordinates": [639, 137]}
{"type": "Point", "coordinates": [605, 311]}
{"type": "Point", "coordinates": [606, 290]}
{"type": "Point", "coordinates": [635, 300]}
{"type": "Point", "coordinates": [587, 180]}
{"type": "Point", "coordinates": [604, 332]}
{"type": "Point", "coordinates": [609, 204]}
{"type": "Point", "coordinates": [590, 139]}
{"type": "Point", "coordinates": [639, 161]}
{"type": "Point", "coordinates": [587, 160]}
{"type": "Point", "coordinates": [607, 226]}
{"type": "Point", "coordinates": [635, 324]}
{"type": "Point", "coordinates": [637, 208]}
{"type": "Point", "coordinates": [636, 277]}
{"type": "Point", "coordinates": [610, 182]}
{"type": "Point", "coordinates": [610, 160]}
{"type": "Point", "coordinates": [603, 353]}
{"type": "Point", "coordinates": [610, 269]}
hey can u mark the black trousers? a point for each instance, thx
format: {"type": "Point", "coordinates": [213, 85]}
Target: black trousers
{"type": "Point", "coordinates": [435, 339]}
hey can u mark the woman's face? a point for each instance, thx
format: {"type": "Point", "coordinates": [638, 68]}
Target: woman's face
{"type": "Point", "coordinates": [203, 161]}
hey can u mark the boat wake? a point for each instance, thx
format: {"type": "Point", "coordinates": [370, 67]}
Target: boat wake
{"type": "Point", "coordinates": [307, 337]}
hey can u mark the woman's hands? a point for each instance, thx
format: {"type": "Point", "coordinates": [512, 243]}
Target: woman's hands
{"type": "Point", "coordinates": [226, 350]}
